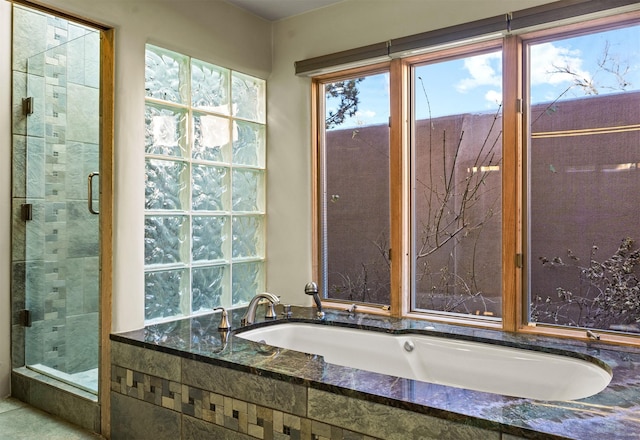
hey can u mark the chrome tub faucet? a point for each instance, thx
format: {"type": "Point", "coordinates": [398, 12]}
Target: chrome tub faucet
{"type": "Point", "coordinates": [250, 316]}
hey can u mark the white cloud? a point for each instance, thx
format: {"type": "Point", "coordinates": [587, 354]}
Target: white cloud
{"type": "Point", "coordinates": [493, 97]}
{"type": "Point", "coordinates": [547, 59]}
{"type": "Point", "coordinates": [364, 117]}
{"type": "Point", "coordinates": [365, 114]}
{"type": "Point", "coordinates": [482, 71]}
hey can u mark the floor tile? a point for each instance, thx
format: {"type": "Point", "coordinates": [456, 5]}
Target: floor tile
{"type": "Point", "coordinates": [19, 421]}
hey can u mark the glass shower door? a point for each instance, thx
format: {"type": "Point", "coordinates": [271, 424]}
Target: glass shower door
{"type": "Point", "coordinates": [60, 213]}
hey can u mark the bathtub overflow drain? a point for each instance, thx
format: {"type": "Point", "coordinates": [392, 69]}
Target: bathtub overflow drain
{"type": "Point", "coordinates": [409, 346]}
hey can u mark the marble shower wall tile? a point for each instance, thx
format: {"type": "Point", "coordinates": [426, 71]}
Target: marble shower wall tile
{"type": "Point", "coordinates": [82, 285]}
{"type": "Point", "coordinates": [34, 282]}
{"type": "Point", "coordinates": [34, 343]}
{"type": "Point", "coordinates": [74, 288]}
{"type": "Point", "coordinates": [77, 170]}
{"type": "Point", "coordinates": [17, 346]}
{"type": "Point", "coordinates": [35, 123]}
{"type": "Point", "coordinates": [91, 284]}
{"type": "Point", "coordinates": [35, 166]}
{"type": "Point", "coordinates": [19, 167]}
{"type": "Point", "coordinates": [17, 290]}
{"type": "Point", "coordinates": [81, 332]}
{"type": "Point", "coordinates": [388, 422]}
{"type": "Point", "coordinates": [18, 228]}
{"type": "Point", "coordinates": [84, 240]}
{"type": "Point", "coordinates": [35, 234]}
{"type": "Point", "coordinates": [18, 119]}
{"type": "Point", "coordinates": [92, 61]}
{"type": "Point", "coordinates": [29, 36]}
{"type": "Point", "coordinates": [75, 60]}
{"type": "Point", "coordinates": [82, 106]}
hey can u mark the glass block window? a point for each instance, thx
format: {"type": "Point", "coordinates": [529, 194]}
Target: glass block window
{"type": "Point", "coordinates": [204, 186]}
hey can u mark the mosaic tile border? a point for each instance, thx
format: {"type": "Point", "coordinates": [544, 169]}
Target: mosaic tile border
{"type": "Point", "coordinates": [237, 415]}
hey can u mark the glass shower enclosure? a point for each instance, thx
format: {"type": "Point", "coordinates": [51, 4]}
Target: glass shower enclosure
{"type": "Point", "coordinates": [61, 209]}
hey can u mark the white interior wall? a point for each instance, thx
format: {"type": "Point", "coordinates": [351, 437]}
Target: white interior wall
{"type": "Point", "coordinates": [345, 25]}
{"type": "Point", "coordinates": [5, 197]}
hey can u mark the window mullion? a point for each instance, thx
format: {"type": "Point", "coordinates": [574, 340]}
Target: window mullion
{"type": "Point", "coordinates": [398, 187]}
{"type": "Point", "coordinates": [511, 185]}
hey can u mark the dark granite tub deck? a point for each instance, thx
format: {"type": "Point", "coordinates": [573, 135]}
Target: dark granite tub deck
{"type": "Point", "coordinates": [611, 414]}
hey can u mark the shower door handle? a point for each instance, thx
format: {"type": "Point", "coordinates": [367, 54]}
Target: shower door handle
{"type": "Point", "coordinates": [90, 193]}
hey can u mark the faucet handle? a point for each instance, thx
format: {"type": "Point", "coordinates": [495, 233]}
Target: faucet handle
{"type": "Point", "coordinates": [271, 310]}
{"type": "Point", "coordinates": [224, 320]}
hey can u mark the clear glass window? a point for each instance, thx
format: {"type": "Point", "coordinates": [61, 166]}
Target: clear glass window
{"type": "Point", "coordinates": [583, 180]}
{"type": "Point", "coordinates": [457, 181]}
{"type": "Point", "coordinates": [355, 190]}
{"type": "Point", "coordinates": [519, 212]}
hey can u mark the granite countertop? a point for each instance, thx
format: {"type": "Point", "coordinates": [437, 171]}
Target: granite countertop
{"type": "Point", "coordinates": [611, 414]}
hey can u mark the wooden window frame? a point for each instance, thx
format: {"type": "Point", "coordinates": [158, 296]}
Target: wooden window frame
{"type": "Point", "coordinates": [514, 145]}
{"type": "Point", "coordinates": [459, 52]}
{"type": "Point", "coordinates": [318, 141]}
{"type": "Point", "coordinates": [551, 34]}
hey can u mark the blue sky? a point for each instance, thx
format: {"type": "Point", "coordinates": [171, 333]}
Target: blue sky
{"type": "Point", "coordinates": [474, 84]}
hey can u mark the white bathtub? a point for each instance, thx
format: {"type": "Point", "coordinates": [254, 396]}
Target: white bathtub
{"type": "Point", "coordinates": [463, 364]}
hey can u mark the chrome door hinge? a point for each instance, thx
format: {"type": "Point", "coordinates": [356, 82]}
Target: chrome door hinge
{"type": "Point", "coordinates": [27, 106]}
{"type": "Point", "coordinates": [27, 212]}
{"type": "Point", "coordinates": [519, 105]}
{"type": "Point", "coordinates": [24, 317]}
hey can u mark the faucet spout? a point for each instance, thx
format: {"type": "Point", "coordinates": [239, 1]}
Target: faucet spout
{"type": "Point", "coordinates": [250, 316]}
{"type": "Point", "coordinates": [312, 289]}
